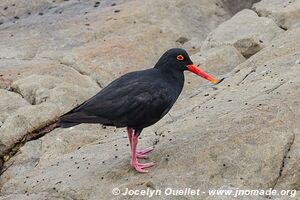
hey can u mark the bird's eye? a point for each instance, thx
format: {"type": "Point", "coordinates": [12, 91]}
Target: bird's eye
{"type": "Point", "coordinates": [180, 57]}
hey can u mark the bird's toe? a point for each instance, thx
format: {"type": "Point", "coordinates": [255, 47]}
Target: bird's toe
{"type": "Point", "coordinates": [140, 167]}
{"type": "Point", "coordinates": [145, 151]}
{"type": "Point", "coordinates": [143, 156]}
{"type": "Point", "coordinates": [146, 165]}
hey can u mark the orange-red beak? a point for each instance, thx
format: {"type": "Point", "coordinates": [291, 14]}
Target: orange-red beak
{"type": "Point", "coordinates": [197, 71]}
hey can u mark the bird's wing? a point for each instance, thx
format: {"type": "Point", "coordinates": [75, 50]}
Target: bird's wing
{"type": "Point", "coordinates": [132, 100]}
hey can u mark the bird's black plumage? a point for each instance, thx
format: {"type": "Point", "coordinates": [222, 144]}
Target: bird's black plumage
{"type": "Point", "coordinates": [137, 99]}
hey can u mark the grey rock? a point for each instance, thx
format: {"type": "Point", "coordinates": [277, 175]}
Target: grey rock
{"type": "Point", "coordinates": [26, 119]}
{"type": "Point", "coordinates": [242, 133]}
{"type": "Point", "coordinates": [93, 48]}
{"type": "Point", "coordinates": [286, 14]}
{"type": "Point", "coordinates": [51, 103]}
{"type": "Point", "coordinates": [9, 103]}
{"type": "Point", "coordinates": [246, 31]}
{"type": "Point", "coordinates": [218, 61]}
{"type": "Point", "coordinates": [236, 5]}
{"type": "Point", "coordinates": [38, 196]}
{"type": "Point", "coordinates": [240, 136]}
{"type": "Point", "coordinates": [37, 88]}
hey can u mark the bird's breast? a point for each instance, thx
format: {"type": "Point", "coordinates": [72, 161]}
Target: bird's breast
{"type": "Point", "coordinates": [176, 83]}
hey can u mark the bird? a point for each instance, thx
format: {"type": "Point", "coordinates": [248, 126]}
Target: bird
{"type": "Point", "coordinates": [137, 100]}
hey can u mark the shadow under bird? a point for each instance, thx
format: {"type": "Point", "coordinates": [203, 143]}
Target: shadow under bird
{"type": "Point", "coordinates": [137, 100]}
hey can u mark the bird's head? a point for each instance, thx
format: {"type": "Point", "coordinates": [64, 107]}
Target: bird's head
{"type": "Point", "coordinates": [179, 60]}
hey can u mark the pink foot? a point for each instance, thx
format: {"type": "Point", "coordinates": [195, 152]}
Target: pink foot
{"type": "Point", "coordinates": [145, 151]}
{"type": "Point", "coordinates": [139, 167]}
{"type": "Point", "coordinates": [133, 139]}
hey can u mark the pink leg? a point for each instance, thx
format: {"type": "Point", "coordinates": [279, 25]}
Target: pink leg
{"type": "Point", "coordinates": [138, 166]}
{"type": "Point", "coordinates": [130, 133]}
{"type": "Point", "coordinates": [142, 153]}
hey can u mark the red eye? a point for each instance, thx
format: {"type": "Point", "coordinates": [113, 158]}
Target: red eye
{"type": "Point", "coordinates": [180, 57]}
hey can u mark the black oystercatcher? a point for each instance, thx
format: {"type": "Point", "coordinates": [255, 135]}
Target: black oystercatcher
{"type": "Point", "coordinates": [137, 100]}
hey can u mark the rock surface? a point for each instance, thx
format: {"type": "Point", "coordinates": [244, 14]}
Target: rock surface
{"type": "Point", "coordinates": [242, 133]}
{"type": "Point", "coordinates": [9, 103]}
{"type": "Point", "coordinates": [220, 60]}
{"type": "Point", "coordinates": [286, 14]}
{"type": "Point", "coordinates": [246, 31]}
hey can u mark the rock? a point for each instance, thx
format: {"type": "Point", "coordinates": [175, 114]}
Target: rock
{"type": "Point", "coordinates": [66, 96]}
{"type": "Point", "coordinates": [238, 135]}
{"type": "Point", "coordinates": [113, 43]}
{"type": "Point", "coordinates": [13, 70]}
{"type": "Point", "coordinates": [59, 142]}
{"type": "Point", "coordinates": [40, 88]}
{"type": "Point", "coordinates": [218, 61]}
{"type": "Point", "coordinates": [24, 120]}
{"type": "Point", "coordinates": [27, 160]}
{"type": "Point", "coordinates": [246, 31]}
{"type": "Point", "coordinates": [290, 175]}
{"type": "Point", "coordinates": [215, 61]}
{"type": "Point", "coordinates": [182, 40]}
{"type": "Point", "coordinates": [286, 14]}
{"type": "Point", "coordinates": [37, 196]}
{"type": "Point", "coordinates": [51, 103]}
{"type": "Point", "coordinates": [242, 133]}
{"type": "Point", "coordinates": [30, 86]}
{"type": "Point", "coordinates": [9, 103]}
{"type": "Point", "coordinates": [236, 5]}
{"type": "Point", "coordinates": [223, 197]}
{"type": "Point", "coordinates": [56, 92]}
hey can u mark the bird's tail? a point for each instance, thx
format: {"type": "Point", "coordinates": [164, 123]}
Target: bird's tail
{"type": "Point", "coordinates": [68, 120]}
{"type": "Point", "coordinates": [74, 118]}
{"type": "Point", "coordinates": [63, 124]}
